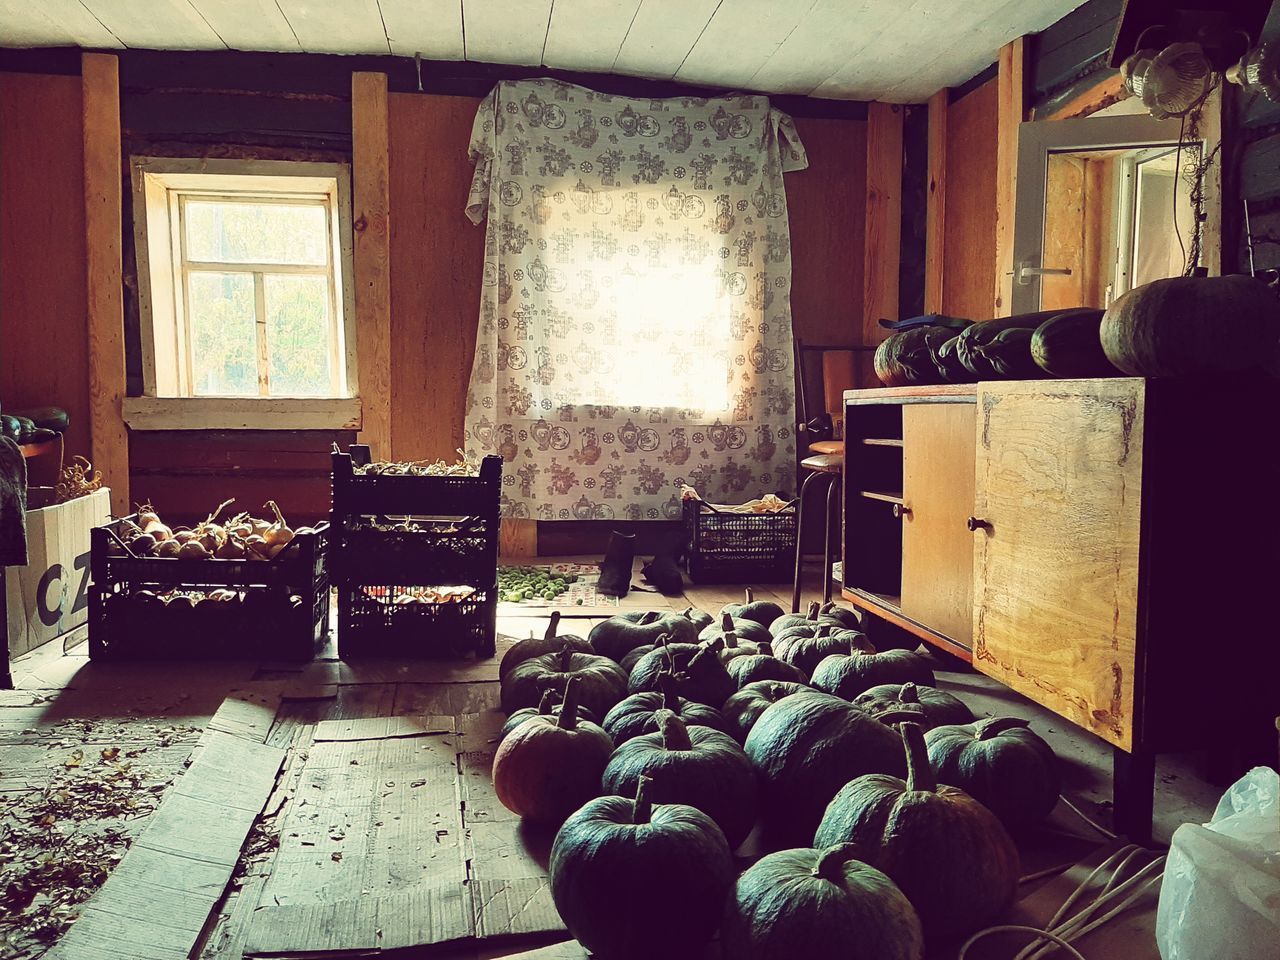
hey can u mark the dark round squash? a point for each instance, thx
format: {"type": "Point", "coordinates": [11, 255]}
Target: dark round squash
{"type": "Point", "coordinates": [636, 714]}
{"type": "Point", "coordinates": [946, 360]}
{"type": "Point", "coordinates": [937, 706]}
{"type": "Point", "coordinates": [806, 647]}
{"type": "Point", "coordinates": [614, 637]}
{"type": "Point", "coordinates": [548, 706]}
{"type": "Point", "coordinates": [1185, 326]}
{"type": "Point", "coordinates": [744, 630]}
{"type": "Point", "coordinates": [763, 666]}
{"type": "Point", "coordinates": [818, 905]}
{"type": "Point", "coordinates": [549, 766]}
{"type": "Point", "coordinates": [1001, 349]}
{"type": "Point", "coordinates": [603, 682]}
{"type": "Point", "coordinates": [550, 642]}
{"type": "Point", "coordinates": [805, 748]}
{"type": "Point", "coordinates": [763, 612]}
{"type": "Point", "coordinates": [1069, 345]}
{"type": "Point", "coordinates": [616, 855]}
{"type": "Point", "coordinates": [947, 852]}
{"type": "Point", "coordinates": [666, 657]}
{"type": "Point", "coordinates": [847, 676]}
{"type": "Point", "coordinates": [695, 765]}
{"type": "Point", "coordinates": [1001, 763]}
{"type": "Point", "coordinates": [743, 709]}
{"type": "Point", "coordinates": [906, 357]}
{"type": "Point", "coordinates": [699, 676]}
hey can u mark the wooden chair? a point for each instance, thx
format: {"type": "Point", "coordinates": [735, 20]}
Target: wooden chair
{"type": "Point", "coordinates": [825, 435]}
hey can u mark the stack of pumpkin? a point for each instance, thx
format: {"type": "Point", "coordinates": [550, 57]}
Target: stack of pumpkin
{"type": "Point", "coordinates": [660, 741]}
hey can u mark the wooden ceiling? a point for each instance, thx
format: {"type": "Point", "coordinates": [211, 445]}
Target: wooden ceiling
{"type": "Point", "coordinates": [893, 50]}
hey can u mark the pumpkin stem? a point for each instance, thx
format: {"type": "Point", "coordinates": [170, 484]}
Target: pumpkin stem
{"type": "Point", "coordinates": [552, 624]}
{"type": "Point", "coordinates": [726, 623]}
{"type": "Point", "coordinates": [641, 808]}
{"type": "Point", "coordinates": [908, 693]}
{"type": "Point", "coordinates": [776, 691]}
{"type": "Point", "coordinates": [648, 617]}
{"type": "Point", "coordinates": [919, 772]}
{"type": "Point", "coordinates": [814, 607]}
{"type": "Point", "coordinates": [569, 706]}
{"type": "Point", "coordinates": [861, 644]}
{"type": "Point", "coordinates": [566, 657]}
{"type": "Point", "coordinates": [822, 631]}
{"type": "Point", "coordinates": [675, 736]}
{"type": "Point", "coordinates": [670, 695]}
{"type": "Point", "coordinates": [831, 862]}
{"type": "Point", "coordinates": [730, 640]}
{"type": "Point", "coordinates": [688, 613]}
{"type": "Point", "coordinates": [549, 699]}
{"type": "Point", "coordinates": [994, 726]}
{"type": "Point", "coordinates": [764, 649]}
{"type": "Point", "coordinates": [751, 595]}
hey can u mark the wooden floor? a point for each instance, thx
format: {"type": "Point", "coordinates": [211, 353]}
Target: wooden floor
{"type": "Point", "coordinates": [362, 803]}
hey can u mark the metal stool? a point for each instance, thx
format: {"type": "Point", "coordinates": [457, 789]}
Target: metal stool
{"type": "Point", "coordinates": [829, 467]}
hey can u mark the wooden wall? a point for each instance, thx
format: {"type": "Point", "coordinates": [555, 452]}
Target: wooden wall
{"type": "Point", "coordinates": [43, 349]}
{"type": "Point", "coordinates": [969, 225]}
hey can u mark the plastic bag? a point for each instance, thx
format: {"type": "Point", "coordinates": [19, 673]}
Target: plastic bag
{"type": "Point", "coordinates": [1220, 899]}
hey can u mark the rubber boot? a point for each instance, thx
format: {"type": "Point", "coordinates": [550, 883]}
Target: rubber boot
{"type": "Point", "coordinates": [615, 568]}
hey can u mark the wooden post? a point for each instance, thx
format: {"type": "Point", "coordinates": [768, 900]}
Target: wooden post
{"type": "Point", "coordinates": [884, 219]}
{"type": "Point", "coordinates": [109, 440]}
{"type": "Point", "coordinates": [371, 200]}
{"type": "Point", "coordinates": [935, 214]}
{"type": "Point", "coordinates": [517, 539]}
{"type": "Point", "coordinates": [1010, 111]}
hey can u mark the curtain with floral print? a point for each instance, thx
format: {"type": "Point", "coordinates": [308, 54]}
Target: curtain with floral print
{"type": "Point", "coordinates": [635, 319]}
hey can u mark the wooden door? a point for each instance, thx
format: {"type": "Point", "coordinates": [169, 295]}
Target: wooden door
{"type": "Point", "coordinates": [937, 495]}
{"type": "Point", "coordinates": [1059, 484]}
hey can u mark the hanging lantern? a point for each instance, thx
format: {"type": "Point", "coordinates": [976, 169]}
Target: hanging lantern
{"type": "Point", "coordinates": [1259, 71]}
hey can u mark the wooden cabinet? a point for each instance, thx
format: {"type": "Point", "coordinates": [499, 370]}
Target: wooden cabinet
{"type": "Point", "coordinates": [1119, 539]}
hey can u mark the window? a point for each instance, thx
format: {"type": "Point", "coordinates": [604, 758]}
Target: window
{"type": "Point", "coordinates": [243, 268]}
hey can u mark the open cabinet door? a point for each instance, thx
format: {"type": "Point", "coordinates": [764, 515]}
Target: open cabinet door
{"type": "Point", "coordinates": [1056, 529]}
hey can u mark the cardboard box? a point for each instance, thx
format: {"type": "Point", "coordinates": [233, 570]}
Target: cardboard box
{"type": "Point", "coordinates": [50, 595]}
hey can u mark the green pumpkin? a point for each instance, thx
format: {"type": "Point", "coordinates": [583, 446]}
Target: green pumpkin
{"type": "Point", "coordinates": [807, 646]}
{"type": "Point", "coordinates": [848, 676]}
{"type": "Point", "coordinates": [839, 616]}
{"type": "Point", "coordinates": [636, 714]}
{"type": "Point", "coordinates": [805, 748]}
{"type": "Point", "coordinates": [695, 765]}
{"type": "Point", "coordinates": [789, 620]}
{"type": "Point", "coordinates": [743, 629]}
{"type": "Point", "coordinates": [613, 638]}
{"type": "Point", "coordinates": [818, 905]}
{"type": "Point", "coordinates": [615, 855]}
{"type": "Point", "coordinates": [936, 706]}
{"type": "Point", "coordinates": [763, 665]}
{"type": "Point", "coordinates": [603, 682]}
{"type": "Point", "coordinates": [763, 612]}
{"type": "Point", "coordinates": [948, 853]}
{"type": "Point", "coordinates": [1069, 345]}
{"type": "Point", "coordinates": [550, 642]}
{"type": "Point", "coordinates": [743, 709]}
{"type": "Point", "coordinates": [548, 706]}
{"type": "Point", "coordinates": [699, 674]}
{"type": "Point", "coordinates": [732, 647]}
{"type": "Point", "coordinates": [699, 618]}
{"type": "Point", "coordinates": [548, 766]}
{"type": "Point", "coordinates": [1001, 763]}
{"type": "Point", "coordinates": [906, 357]}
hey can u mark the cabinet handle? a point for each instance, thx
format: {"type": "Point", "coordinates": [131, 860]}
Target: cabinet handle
{"type": "Point", "coordinates": [901, 510]}
{"type": "Point", "coordinates": [974, 524]}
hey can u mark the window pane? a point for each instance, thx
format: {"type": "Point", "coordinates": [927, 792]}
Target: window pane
{"type": "Point", "coordinates": [246, 232]}
{"type": "Point", "coordinates": [224, 340]}
{"type": "Point", "coordinates": [298, 335]}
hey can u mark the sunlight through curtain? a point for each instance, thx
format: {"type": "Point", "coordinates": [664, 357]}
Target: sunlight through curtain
{"type": "Point", "coordinates": [635, 319]}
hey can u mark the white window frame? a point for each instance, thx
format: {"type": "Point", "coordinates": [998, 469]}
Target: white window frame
{"type": "Point", "coordinates": [161, 188]}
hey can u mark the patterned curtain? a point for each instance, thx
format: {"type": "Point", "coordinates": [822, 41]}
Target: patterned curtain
{"type": "Point", "coordinates": [635, 320]}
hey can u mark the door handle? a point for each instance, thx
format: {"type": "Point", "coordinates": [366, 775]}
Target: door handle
{"type": "Point", "coordinates": [1025, 272]}
{"type": "Point", "coordinates": [900, 511]}
{"type": "Point", "coordinates": [974, 524]}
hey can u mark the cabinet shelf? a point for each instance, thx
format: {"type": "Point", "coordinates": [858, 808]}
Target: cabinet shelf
{"type": "Point", "coordinates": [882, 442]}
{"type": "Point", "coordinates": [882, 495]}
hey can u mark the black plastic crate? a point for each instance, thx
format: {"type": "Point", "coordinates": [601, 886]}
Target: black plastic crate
{"type": "Point", "coordinates": [396, 533]}
{"type": "Point", "coordinates": [386, 621]}
{"type": "Point", "coordinates": [280, 610]}
{"type": "Point", "coordinates": [728, 547]}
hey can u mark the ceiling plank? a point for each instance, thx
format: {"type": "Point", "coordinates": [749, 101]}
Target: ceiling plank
{"type": "Point", "coordinates": [510, 31]}
{"type": "Point", "coordinates": [661, 36]}
{"type": "Point", "coordinates": [157, 25]}
{"type": "Point", "coordinates": [587, 34]}
{"type": "Point", "coordinates": [821, 45]}
{"type": "Point", "coordinates": [741, 36]}
{"type": "Point", "coordinates": [249, 24]}
{"type": "Point", "coordinates": [351, 26]}
{"type": "Point", "coordinates": [432, 28]}
{"type": "Point", "coordinates": [52, 23]}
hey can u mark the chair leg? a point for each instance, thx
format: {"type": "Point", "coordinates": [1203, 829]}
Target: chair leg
{"type": "Point", "coordinates": [795, 587]}
{"type": "Point", "coordinates": [832, 512]}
